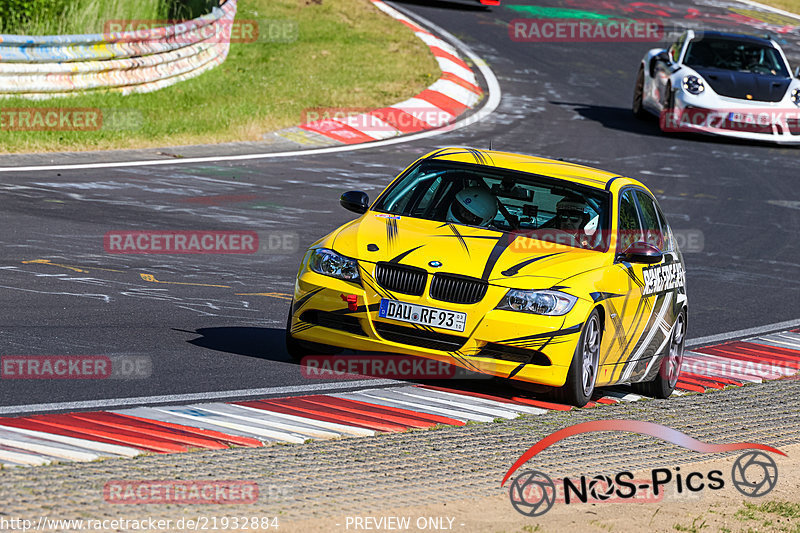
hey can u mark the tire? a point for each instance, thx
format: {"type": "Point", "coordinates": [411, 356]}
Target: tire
{"type": "Point", "coordinates": [667, 119]}
{"type": "Point", "coordinates": [582, 374]}
{"type": "Point", "coordinates": [298, 349]}
{"type": "Point", "coordinates": [294, 348]}
{"type": "Point", "coordinates": [638, 96]}
{"type": "Point", "coordinates": [666, 379]}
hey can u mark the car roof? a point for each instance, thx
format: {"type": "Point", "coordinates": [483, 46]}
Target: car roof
{"type": "Point", "coordinates": [582, 175]}
{"type": "Point", "coordinates": [731, 37]}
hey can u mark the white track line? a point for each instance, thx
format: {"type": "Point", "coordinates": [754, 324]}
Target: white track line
{"type": "Point", "coordinates": [769, 328]}
{"type": "Point", "coordinates": [492, 101]}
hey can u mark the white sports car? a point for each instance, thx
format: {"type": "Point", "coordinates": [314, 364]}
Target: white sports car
{"type": "Point", "coordinates": [723, 84]}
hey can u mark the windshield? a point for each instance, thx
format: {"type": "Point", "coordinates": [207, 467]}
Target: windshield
{"type": "Point", "coordinates": [727, 54]}
{"type": "Point", "coordinates": [538, 207]}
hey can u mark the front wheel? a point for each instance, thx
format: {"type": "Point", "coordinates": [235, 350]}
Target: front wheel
{"type": "Point", "coordinates": [666, 379]}
{"type": "Point", "coordinates": [582, 374]}
{"type": "Point", "coordinates": [668, 120]}
{"type": "Point", "coordinates": [298, 349]}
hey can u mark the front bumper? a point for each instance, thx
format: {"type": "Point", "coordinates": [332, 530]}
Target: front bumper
{"type": "Point", "coordinates": [752, 121]}
{"type": "Point", "coordinates": [494, 342]}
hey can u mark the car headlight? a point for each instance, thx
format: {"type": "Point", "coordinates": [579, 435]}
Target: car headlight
{"type": "Point", "coordinates": [693, 85]}
{"type": "Point", "coordinates": [553, 303]}
{"type": "Point", "coordinates": [796, 97]}
{"type": "Point", "coordinates": [329, 263]}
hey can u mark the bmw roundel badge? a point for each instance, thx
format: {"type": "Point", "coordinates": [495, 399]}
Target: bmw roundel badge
{"type": "Point", "coordinates": [435, 264]}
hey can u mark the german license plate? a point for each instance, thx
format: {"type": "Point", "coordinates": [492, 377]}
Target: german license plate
{"type": "Point", "coordinates": [742, 118]}
{"type": "Point", "coordinates": [420, 314]}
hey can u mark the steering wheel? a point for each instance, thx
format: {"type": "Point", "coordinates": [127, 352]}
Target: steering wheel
{"type": "Point", "coordinates": [758, 68]}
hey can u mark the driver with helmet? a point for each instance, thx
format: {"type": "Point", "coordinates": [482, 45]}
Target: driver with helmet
{"type": "Point", "coordinates": [571, 216]}
{"type": "Point", "coordinates": [473, 206]}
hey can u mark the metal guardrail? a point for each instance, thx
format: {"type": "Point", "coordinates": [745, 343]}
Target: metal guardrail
{"type": "Point", "coordinates": [41, 67]}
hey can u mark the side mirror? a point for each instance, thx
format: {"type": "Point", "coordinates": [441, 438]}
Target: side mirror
{"type": "Point", "coordinates": [642, 252]}
{"type": "Point", "coordinates": [355, 201]}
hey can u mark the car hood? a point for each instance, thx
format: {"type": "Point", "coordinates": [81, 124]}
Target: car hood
{"type": "Point", "coordinates": [500, 258]}
{"type": "Point", "coordinates": [760, 87]}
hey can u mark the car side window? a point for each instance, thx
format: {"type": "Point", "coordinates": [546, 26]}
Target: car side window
{"type": "Point", "coordinates": [669, 238]}
{"type": "Point", "coordinates": [629, 227]}
{"type": "Point", "coordinates": [653, 232]}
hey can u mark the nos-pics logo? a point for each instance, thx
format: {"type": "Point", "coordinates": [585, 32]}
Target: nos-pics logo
{"type": "Point", "coordinates": [533, 493]}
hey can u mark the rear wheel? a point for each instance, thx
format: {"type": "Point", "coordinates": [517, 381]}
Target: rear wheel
{"type": "Point", "coordinates": [664, 383]}
{"type": "Point", "coordinates": [582, 374]}
{"type": "Point", "coordinates": [638, 96]}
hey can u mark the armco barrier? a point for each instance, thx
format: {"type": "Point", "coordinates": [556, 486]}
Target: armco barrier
{"type": "Point", "coordinates": [126, 62]}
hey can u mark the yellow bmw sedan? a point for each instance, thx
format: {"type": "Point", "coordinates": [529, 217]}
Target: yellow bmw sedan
{"type": "Point", "coordinates": [510, 265]}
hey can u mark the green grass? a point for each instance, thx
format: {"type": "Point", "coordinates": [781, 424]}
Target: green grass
{"type": "Point", "coordinates": [695, 527]}
{"type": "Point", "coordinates": [792, 6]}
{"type": "Point", "coordinates": [347, 54]}
{"type": "Point", "coordinates": [785, 516]}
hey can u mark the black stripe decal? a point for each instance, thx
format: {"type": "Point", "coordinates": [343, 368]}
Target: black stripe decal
{"type": "Point", "coordinates": [499, 247]}
{"type": "Point", "coordinates": [302, 301]}
{"type": "Point", "coordinates": [460, 238]}
{"type": "Point", "coordinates": [514, 270]}
{"type": "Point", "coordinates": [400, 257]}
{"type": "Point", "coordinates": [565, 331]}
{"type": "Point", "coordinates": [391, 231]}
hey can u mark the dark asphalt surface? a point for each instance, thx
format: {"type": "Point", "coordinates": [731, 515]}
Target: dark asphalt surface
{"type": "Point", "coordinates": [561, 100]}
